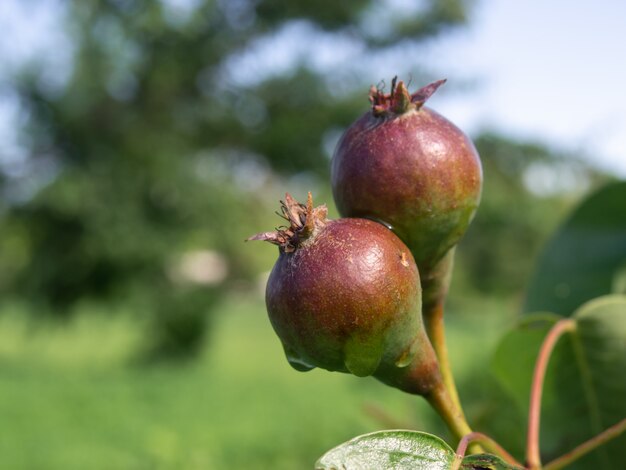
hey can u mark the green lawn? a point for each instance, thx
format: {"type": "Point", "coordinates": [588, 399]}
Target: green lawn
{"type": "Point", "coordinates": [70, 400]}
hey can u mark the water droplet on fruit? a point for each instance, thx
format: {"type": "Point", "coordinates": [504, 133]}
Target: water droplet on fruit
{"type": "Point", "coordinates": [299, 366]}
{"type": "Point", "coordinates": [382, 222]}
{"type": "Point", "coordinates": [407, 355]}
{"type": "Point", "coordinates": [295, 361]}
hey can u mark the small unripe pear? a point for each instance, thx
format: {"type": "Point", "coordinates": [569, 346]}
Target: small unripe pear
{"type": "Point", "coordinates": [406, 165]}
{"type": "Point", "coordinates": [344, 295]}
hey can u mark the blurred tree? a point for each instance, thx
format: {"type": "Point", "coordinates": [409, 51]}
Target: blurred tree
{"type": "Point", "coordinates": [528, 189]}
{"type": "Point", "coordinates": [169, 129]}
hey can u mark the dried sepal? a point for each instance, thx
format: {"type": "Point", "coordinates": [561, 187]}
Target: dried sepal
{"type": "Point", "coordinates": [423, 94]}
{"type": "Point", "coordinates": [303, 221]}
{"type": "Point", "coordinates": [399, 101]}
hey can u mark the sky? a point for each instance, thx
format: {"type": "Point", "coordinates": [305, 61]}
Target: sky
{"type": "Point", "coordinates": [550, 71]}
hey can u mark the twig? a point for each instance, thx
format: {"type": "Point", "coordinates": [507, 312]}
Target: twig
{"type": "Point", "coordinates": [533, 457]}
{"type": "Point", "coordinates": [487, 442]}
{"type": "Point", "coordinates": [588, 446]}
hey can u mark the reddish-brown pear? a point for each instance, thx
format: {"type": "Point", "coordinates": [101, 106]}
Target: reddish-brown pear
{"type": "Point", "coordinates": [344, 295]}
{"type": "Point", "coordinates": [407, 166]}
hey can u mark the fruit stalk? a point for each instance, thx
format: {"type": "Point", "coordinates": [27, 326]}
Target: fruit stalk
{"type": "Point", "coordinates": [435, 285]}
{"type": "Point", "coordinates": [452, 415]}
{"type": "Point", "coordinates": [435, 328]}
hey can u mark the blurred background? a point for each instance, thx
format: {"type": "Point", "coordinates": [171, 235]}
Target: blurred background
{"type": "Point", "coordinates": [142, 141]}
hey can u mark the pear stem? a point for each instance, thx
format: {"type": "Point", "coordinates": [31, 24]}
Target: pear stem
{"type": "Point", "coordinates": [440, 400]}
{"type": "Point", "coordinates": [453, 416]}
{"type": "Point", "coordinates": [435, 327]}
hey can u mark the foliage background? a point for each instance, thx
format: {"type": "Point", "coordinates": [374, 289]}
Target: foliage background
{"type": "Point", "coordinates": [131, 317]}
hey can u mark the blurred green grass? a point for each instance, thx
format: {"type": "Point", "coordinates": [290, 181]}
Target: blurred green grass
{"type": "Point", "coordinates": [72, 398]}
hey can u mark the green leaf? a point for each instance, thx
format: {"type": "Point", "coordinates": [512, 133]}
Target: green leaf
{"type": "Point", "coordinates": [585, 386]}
{"type": "Point", "coordinates": [584, 257]}
{"type": "Point", "coordinates": [395, 449]}
{"type": "Point", "coordinates": [514, 359]}
{"type": "Point", "coordinates": [486, 462]}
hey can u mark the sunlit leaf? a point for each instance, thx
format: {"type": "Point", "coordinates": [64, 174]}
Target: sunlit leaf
{"type": "Point", "coordinates": [396, 449]}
